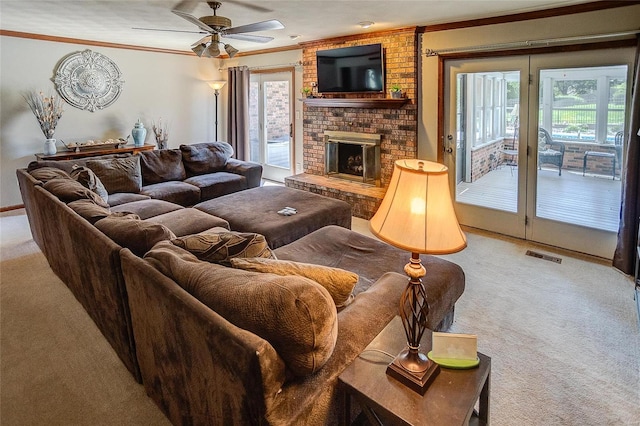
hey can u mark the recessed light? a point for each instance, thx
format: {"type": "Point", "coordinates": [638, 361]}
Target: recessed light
{"type": "Point", "coordinates": [366, 24]}
{"type": "Point", "coordinates": [294, 37]}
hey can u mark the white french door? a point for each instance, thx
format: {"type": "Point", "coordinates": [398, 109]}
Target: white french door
{"type": "Point", "coordinates": [508, 177]}
{"type": "Point", "coordinates": [483, 105]}
{"type": "Point", "coordinates": [271, 123]}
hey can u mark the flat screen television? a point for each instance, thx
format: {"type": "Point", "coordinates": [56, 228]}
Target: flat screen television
{"type": "Point", "coordinates": [351, 69]}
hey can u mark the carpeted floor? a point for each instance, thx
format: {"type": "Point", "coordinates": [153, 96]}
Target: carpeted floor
{"type": "Point", "coordinates": [563, 339]}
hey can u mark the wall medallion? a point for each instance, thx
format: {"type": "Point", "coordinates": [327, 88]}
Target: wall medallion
{"type": "Point", "coordinates": [88, 80]}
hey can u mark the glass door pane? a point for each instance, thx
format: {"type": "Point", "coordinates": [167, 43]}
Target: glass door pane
{"type": "Point", "coordinates": [582, 111]}
{"type": "Point", "coordinates": [490, 176]}
{"type": "Point", "coordinates": [484, 141]}
{"type": "Point", "coordinates": [255, 148]}
{"type": "Point", "coordinates": [277, 107]}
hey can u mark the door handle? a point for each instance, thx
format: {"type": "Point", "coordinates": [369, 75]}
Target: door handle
{"type": "Point", "coordinates": [290, 130]}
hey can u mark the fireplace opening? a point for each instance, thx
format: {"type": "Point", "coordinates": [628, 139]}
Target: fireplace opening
{"type": "Point", "coordinates": [350, 159]}
{"type": "Point", "coordinates": [353, 156]}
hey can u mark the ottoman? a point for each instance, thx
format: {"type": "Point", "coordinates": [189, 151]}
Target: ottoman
{"type": "Point", "coordinates": [371, 258]}
{"type": "Point", "coordinates": [256, 210]}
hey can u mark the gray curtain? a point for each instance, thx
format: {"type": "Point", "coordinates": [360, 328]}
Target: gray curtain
{"type": "Point", "coordinates": [238, 125]}
{"type": "Point", "coordinates": [624, 257]}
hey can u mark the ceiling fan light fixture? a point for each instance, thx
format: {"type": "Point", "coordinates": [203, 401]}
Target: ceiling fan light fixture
{"type": "Point", "coordinates": [199, 49]}
{"type": "Point", "coordinates": [366, 24]}
{"type": "Point", "coordinates": [212, 51]}
{"type": "Point", "coordinates": [231, 51]}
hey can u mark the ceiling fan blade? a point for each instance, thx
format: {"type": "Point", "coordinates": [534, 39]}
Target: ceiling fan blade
{"type": "Point", "coordinates": [248, 37]}
{"type": "Point", "coordinates": [172, 31]}
{"type": "Point", "coordinates": [193, 20]}
{"type": "Point", "coordinates": [249, 6]}
{"type": "Point", "coordinates": [203, 40]}
{"type": "Point", "coordinates": [273, 24]}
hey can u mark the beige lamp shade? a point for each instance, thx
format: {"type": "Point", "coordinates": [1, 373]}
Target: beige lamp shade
{"type": "Point", "coordinates": [217, 85]}
{"type": "Point", "coordinates": [417, 213]}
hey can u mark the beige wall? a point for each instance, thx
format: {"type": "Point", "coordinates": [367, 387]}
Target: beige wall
{"type": "Point", "coordinates": [605, 21]}
{"type": "Point", "coordinates": [156, 85]}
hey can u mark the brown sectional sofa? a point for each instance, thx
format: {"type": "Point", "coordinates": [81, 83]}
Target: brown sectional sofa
{"type": "Point", "coordinates": [185, 176]}
{"type": "Point", "coordinates": [235, 377]}
{"type": "Point", "coordinates": [196, 362]}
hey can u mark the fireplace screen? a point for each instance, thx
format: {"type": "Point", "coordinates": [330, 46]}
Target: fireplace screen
{"type": "Point", "coordinates": [353, 156]}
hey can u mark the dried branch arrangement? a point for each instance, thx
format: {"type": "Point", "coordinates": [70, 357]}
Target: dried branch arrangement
{"type": "Point", "coordinates": [161, 133]}
{"type": "Point", "coordinates": [47, 109]}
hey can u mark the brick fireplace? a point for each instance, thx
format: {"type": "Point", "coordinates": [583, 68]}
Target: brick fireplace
{"type": "Point", "coordinates": [396, 126]}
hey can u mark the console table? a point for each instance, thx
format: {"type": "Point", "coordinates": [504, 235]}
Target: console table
{"type": "Point", "coordinates": [449, 400]}
{"type": "Point", "coordinates": [71, 155]}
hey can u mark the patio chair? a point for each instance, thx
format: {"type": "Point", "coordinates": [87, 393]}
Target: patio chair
{"type": "Point", "coordinates": [549, 151]}
{"type": "Point", "coordinates": [615, 156]}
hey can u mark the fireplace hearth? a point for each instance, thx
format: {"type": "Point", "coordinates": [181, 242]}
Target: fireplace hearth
{"type": "Point", "coordinates": [353, 156]}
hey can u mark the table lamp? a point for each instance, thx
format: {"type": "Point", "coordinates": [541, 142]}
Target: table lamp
{"type": "Point", "coordinates": [417, 215]}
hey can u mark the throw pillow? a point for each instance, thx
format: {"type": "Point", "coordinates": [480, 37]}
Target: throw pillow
{"type": "Point", "coordinates": [118, 174]}
{"type": "Point", "coordinates": [89, 210]}
{"type": "Point", "coordinates": [68, 190]}
{"type": "Point", "coordinates": [219, 245]}
{"type": "Point", "coordinates": [294, 314]}
{"type": "Point", "coordinates": [89, 180]}
{"type": "Point", "coordinates": [45, 174]}
{"type": "Point", "coordinates": [127, 230]}
{"type": "Point", "coordinates": [161, 165]}
{"type": "Point", "coordinates": [338, 282]}
{"type": "Point", "coordinates": [202, 158]}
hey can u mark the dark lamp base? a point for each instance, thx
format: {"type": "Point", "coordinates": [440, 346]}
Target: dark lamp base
{"type": "Point", "coordinates": [414, 370]}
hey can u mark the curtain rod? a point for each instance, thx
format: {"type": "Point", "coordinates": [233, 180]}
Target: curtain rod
{"type": "Point", "coordinates": [263, 67]}
{"type": "Point", "coordinates": [527, 43]}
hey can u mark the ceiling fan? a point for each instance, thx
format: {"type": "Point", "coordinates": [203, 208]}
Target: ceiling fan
{"type": "Point", "coordinates": [217, 27]}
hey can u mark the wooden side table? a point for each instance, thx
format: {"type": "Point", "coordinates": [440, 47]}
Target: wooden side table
{"type": "Point", "coordinates": [72, 155]}
{"type": "Point", "coordinates": [449, 400]}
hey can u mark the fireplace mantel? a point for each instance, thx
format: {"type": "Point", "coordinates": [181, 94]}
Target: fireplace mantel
{"type": "Point", "coordinates": [356, 102]}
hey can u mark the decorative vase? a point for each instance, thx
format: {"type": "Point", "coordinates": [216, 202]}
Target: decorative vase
{"type": "Point", "coordinates": [396, 95]}
{"type": "Point", "coordinates": [50, 147]}
{"type": "Point", "coordinates": [139, 134]}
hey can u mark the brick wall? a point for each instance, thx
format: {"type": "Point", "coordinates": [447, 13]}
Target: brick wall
{"type": "Point", "coordinates": [574, 157]}
{"type": "Point", "coordinates": [398, 127]}
{"type": "Point", "coordinates": [486, 158]}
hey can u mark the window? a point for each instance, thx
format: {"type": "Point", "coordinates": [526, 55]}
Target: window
{"type": "Point", "coordinates": [583, 104]}
{"type": "Point", "coordinates": [489, 96]}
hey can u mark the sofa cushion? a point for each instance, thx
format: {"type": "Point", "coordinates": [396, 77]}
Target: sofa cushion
{"type": "Point", "coordinates": [189, 221]}
{"type": "Point", "coordinates": [173, 191]}
{"type": "Point", "coordinates": [118, 198]}
{"type": "Point", "coordinates": [338, 282]}
{"type": "Point", "coordinates": [294, 314]}
{"type": "Point", "coordinates": [214, 185]}
{"type": "Point", "coordinates": [127, 230]}
{"type": "Point", "coordinates": [45, 174]}
{"type": "Point", "coordinates": [202, 158]}
{"type": "Point", "coordinates": [147, 208]}
{"type": "Point", "coordinates": [89, 210]}
{"type": "Point", "coordinates": [161, 165]}
{"type": "Point", "coordinates": [88, 179]}
{"type": "Point", "coordinates": [118, 174]}
{"type": "Point", "coordinates": [68, 190]}
{"type": "Point", "coordinates": [219, 245]}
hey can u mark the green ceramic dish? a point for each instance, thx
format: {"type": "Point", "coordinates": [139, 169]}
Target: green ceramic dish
{"type": "Point", "coordinates": [458, 364]}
